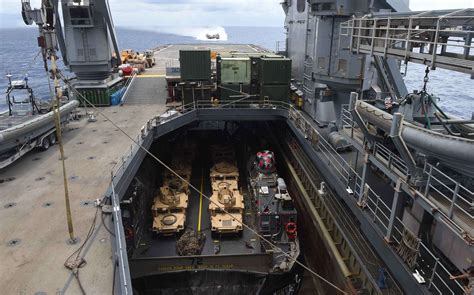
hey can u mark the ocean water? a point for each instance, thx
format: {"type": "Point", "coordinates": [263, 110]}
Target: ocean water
{"type": "Point", "coordinates": [19, 47]}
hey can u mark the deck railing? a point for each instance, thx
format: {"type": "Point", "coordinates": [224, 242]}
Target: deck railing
{"type": "Point", "coordinates": [457, 197]}
{"type": "Point", "coordinates": [440, 184]}
{"type": "Point", "coordinates": [377, 209]}
{"type": "Point", "coordinates": [393, 162]}
{"type": "Point", "coordinates": [439, 40]}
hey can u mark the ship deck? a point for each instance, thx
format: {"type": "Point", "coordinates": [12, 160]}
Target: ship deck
{"type": "Point", "coordinates": [34, 230]}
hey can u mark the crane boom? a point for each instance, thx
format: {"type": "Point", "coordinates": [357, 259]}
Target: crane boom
{"type": "Point", "coordinates": [86, 35]}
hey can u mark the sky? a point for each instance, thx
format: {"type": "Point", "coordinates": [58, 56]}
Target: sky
{"type": "Point", "coordinates": [141, 13]}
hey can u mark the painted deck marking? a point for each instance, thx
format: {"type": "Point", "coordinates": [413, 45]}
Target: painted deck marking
{"type": "Point", "coordinates": [150, 76]}
{"type": "Point", "coordinates": [200, 201]}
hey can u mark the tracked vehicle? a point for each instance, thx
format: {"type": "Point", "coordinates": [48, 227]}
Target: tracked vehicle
{"type": "Point", "coordinates": [225, 196]}
{"type": "Point", "coordinates": [169, 208]}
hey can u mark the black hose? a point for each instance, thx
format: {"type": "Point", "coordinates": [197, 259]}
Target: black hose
{"type": "Point", "coordinates": [105, 226]}
{"type": "Point", "coordinates": [113, 278]}
{"type": "Point", "coordinates": [437, 107]}
{"type": "Point", "coordinates": [446, 127]}
{"type": "Point", "coordinates": [76, 274]}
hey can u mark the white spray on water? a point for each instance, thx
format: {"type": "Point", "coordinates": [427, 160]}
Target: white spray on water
{"type": "Point", "coordinates": [199, 33]}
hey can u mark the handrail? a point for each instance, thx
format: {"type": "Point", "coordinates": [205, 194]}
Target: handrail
{"type": "Point", "coordinates": [443, 185]}
{"type": "Point", "coordinates": [120, 241]}
{"type": "Point", "coordinates": [128, 85]}
{"type": "Point", "coordinates": [458, 196]}
{"type": "Point", "coordinates": [392, 160]}
{"type": "Point", "coordinates": [397, 36]}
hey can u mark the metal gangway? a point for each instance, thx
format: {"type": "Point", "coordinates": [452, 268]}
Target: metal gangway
{"type": "Point", "coordinates": [440, 38]}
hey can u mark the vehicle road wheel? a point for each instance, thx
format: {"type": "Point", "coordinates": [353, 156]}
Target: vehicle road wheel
{"type": "Point", "coordinates": [52, 138]}
{"type": "Point", "coordinates": [45, 144]}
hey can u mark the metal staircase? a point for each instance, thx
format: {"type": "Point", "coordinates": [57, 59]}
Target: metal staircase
{"type": "Point", "coordinates": [435, 38]}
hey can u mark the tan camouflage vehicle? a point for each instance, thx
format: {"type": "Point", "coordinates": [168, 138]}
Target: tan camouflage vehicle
{"type": "Point", "coordinates": [181, 164]}
{"type": "Point", "coordinates": [226, 196]}
{"type": "Point", "coordinates": [222, 152]}
{"type": "Point", "coordinates": [183, 168]}
{"type": "Point", "coordinates": [169, 208]}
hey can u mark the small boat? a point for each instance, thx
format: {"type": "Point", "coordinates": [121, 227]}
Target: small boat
{"type": "Point", "coordinates": [27, 124]}
{"type": "Point", "coordinates": [213, 36]}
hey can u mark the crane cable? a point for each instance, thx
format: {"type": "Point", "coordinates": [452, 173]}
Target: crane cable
{"type": "Point", "coordinates": [28, 68]}
{"type": "Point", "coordinates": [277, 249]}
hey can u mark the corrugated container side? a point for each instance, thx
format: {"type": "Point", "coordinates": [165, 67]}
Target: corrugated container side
{"type": "Point", "coordinates": [98, 97]}
{"type": "Point", "coordinates": [226, 91]}
{"type": "Point", "coordinates": [235, 70]}
{"type": "Point", "coordinates": [275, 92]}
{"type": "Point", "coordinates": [195, 65]}
{"type": "Point", "coordinates": [190, 94]}
{"type": "Point", "coordinates": [275, 70]}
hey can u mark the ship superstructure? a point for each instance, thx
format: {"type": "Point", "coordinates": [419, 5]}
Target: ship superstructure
{"type": "Point", "coordinates": [352, 84]}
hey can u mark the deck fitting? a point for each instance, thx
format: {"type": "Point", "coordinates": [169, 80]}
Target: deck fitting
{"type": "Point", "coordinates": [87, 203]}
{"type": "Point", "coordinates": [73, 241]}
{"type": "Point", "coordinates": [91, 158]}
{"type": "Point", "coordinates": [39, 178]}
{"type": "Point", "coordinates": [2, 180]}
{"type": "Point", "coordinates": [36, 159]}
{"type": "Point", "coordinates": [9, 205]}
{"type": "Point", "coordinates": [47, 204]}
{"type": "Point", "coordinates": [13, 243]}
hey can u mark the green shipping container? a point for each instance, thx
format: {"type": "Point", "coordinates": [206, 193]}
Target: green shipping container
{"type": "Point", "coordinates": [195, 65]}
{"type": "Point", "coordinates": [255, 69]}
{"type": "Point", "coordinates": [192, 93]}
{"type": "Point", "coordinates": [235, 70]}
{"type": "Point", "coordinates": [275, 92]}
{"type": "Point", "coordinates": [99, 96]}
{"type": "Point", "coordinates": [228, 92]}
{"type": "Point", "coordinates": [275, 70]}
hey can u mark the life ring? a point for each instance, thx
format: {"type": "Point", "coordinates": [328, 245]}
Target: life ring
{"type": "Point", "coordinates": [290, 228]}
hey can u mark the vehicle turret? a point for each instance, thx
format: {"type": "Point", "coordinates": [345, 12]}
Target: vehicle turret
{"type": "Point", "coordinates": [169, 208]}
{"type": "Point", "coordinates": [225, 195]}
